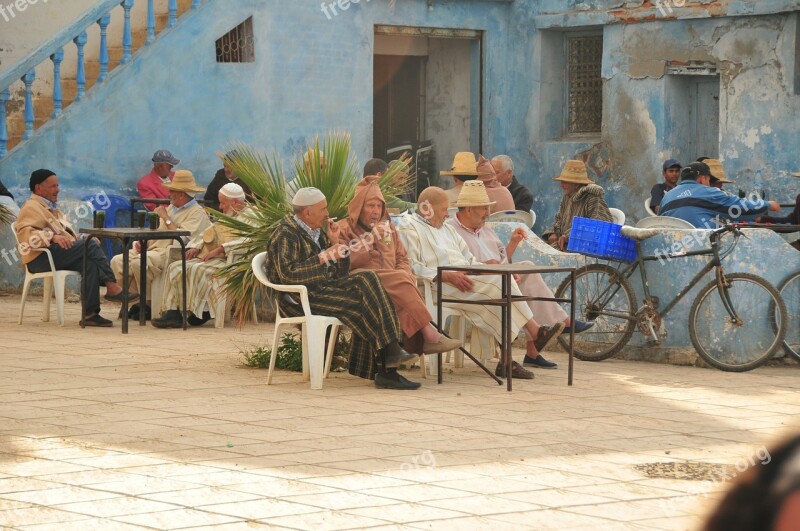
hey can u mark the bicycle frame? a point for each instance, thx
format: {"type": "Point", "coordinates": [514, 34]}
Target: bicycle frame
{"type": "Point", "coordinates": [715, 262]}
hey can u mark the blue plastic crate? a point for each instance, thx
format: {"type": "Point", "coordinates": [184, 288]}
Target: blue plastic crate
{"type": "Point", "coordinates": [600, 239]}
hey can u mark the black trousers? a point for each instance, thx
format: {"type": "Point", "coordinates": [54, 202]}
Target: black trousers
{"type": "Point", "coordinates": [98, 269]}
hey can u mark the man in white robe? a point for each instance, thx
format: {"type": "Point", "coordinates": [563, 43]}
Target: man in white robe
{"type": "Point", "coordinates": [431, 243]}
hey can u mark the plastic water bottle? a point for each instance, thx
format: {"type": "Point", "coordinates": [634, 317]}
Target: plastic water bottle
{"type": "Point", "coordinates": [758, 185]}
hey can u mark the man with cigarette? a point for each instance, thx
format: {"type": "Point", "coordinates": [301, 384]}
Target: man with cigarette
{"type": "Point", "coordinates": [299, 252]}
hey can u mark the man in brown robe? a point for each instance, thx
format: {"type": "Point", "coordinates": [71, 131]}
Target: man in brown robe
{"type": "Point", "coordinates": [375, 246]}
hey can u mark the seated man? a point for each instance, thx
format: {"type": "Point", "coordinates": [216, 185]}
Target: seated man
{"type": "Point", "coordinates": [696, 201]}
{"type": "Point", "coordinates": [221, 178]}
{"type": "Point", "coordinates": [206, 255]}
{"type": "Point", "coordinates": [469, 222]}
{"type": "Point", "coordinates": [182, 213]}
{"type": "Point", "coordinates": [464, 169]}
{"type": "Point", "coordinates": [431, 242]}
{"type": "Point", "coordinates": [152, 184]}
{"type": "Point", "coordinates": [375, 246]}
{"type": "Point", "coordinates": [718, 179]}
{"type": "Point", "coordinates": [498, 194]}
{"type": "Point", "coordinates": [671, 171]}
{"type": "Point", "coordinates": [581, 198]}
{"type": "Point", "coordinates": [41, 225]}
{"type": "Point", "coordinates": [379, 167]}
{"type": "Point", "coordinates": [504, 169]}
{"type": "Point", "coordinates": [300, 253]}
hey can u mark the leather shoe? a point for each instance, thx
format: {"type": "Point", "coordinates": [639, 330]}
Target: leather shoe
{"type": "Point", "coordinates": [396, 356]}
{"type": "Point", "coordinates": [539, 362]}
{"type": "Point", "coordinates": [546, 335]}
{"type": "Point", "coordinates": [580, 326]}
{"type": "Point", "coordinates": [169, 319]}
{"type": "Point", "coordinates": [132, 296]}
{"type": "Point", "coordinates": [96, 320]}
{"type": "Point", "coordinates": [517, 371]}
{"type": "Point", "coordinates": [393, 380]}
{"type": "Point", "coordinates": [198, 321]}
{"type": "Point", "coordinates": [445, 344]}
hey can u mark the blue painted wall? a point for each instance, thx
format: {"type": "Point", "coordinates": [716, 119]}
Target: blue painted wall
{"type": "Point", "coordinates": [313, 74]}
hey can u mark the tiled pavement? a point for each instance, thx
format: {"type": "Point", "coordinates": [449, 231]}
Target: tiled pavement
{"type": "Point", "coordinates": [165, 429]}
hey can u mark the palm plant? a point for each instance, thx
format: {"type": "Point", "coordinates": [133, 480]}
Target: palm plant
{"type": "Point", "coordinates": [326, 165]}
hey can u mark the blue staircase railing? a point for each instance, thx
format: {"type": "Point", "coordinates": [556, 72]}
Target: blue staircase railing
{"type": "Point", "coordinates": [53, 50]}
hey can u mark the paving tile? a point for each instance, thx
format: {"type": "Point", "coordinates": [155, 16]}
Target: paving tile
{"type": "Point", "coordinates": [177, 519]}
{"type": "Point", "coordinates": [116, 507]}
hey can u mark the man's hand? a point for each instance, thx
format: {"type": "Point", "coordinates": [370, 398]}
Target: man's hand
{"type": "Point", "coordinates": [562, 243]}
{"type": "Point", "coordinates": [137, 246]}
{"type": "Point", "coordinates": [62, 241]}
{"type": "Point", "coordinates": [215, 253]}
{"type": "Point", "coordinates": [332, 253]}
{"type": "Point", "coordinates": [162, 212]}
{"type": "Point", "coordinates": [552, 239]}
{"type": "Point", "coordinates": [334, 230]}
{"type": "Point", "coordinates": [492, 262]}
{"type": "Point", "coordinates": [190, 253]}
{"type": "Point", "coordinates": [458, 279]}
{"type": "Point", "coordinates": [518, 236]}
{"type": "Point", "coordinates": [774, 206]}
{"type": "Point", "coordinates": [517, 278]}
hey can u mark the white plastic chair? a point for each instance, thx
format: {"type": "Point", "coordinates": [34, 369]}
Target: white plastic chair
{"type": "Point", "coordinates": [664, 222]}
{"type": "Point", "coordinates": [533, 218]}
{"type": "Point", "coordinates": [647, 207]}
{"type": "Point", "coordinates": [518, 216]}
{"type": "Point", "coordinates": [617, 215]}
{"type": "Point", "coordinates": [54, 280]}
{"type": "Point", "coordinates": [316, 358]}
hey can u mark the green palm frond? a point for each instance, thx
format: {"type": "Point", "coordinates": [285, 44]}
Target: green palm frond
{"type": "Point", "coordinates": [6, 217]}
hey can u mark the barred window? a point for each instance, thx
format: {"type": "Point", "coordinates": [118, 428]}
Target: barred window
{"type": "Point", "coordinates": [584, 84]}
{"type": "Point", "coordinates": [236, 46]}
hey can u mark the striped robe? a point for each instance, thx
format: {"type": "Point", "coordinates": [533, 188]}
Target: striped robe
{"type": "Point", "coordinates": [358, 300]}
{"type": "Point", "coordinates": [429, 247]}
{"type": "Point", "coordinates": [202, 290]}
{"type": "Point", "coordinates": [587, 202]}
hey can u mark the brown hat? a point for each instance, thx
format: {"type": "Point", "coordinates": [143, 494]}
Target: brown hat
{"type": "Point", "coordinates": [464, 163]}
{"type": "Point", "coordinates": [574, 172]}
{"type": "Point", "coordinates": [473, 194]}
{"type": "Point", "coordinates": [183, 181]}
{"type": "Point", "coordinates": [717, 173]}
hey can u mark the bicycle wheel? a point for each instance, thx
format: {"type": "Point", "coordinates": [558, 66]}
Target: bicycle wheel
{"type": "Point", "coordinates": [602, 296]}
{"type": "Point", "coordinates": [724, 344]}
{"type": "Point", "coordinates": [790, 293]}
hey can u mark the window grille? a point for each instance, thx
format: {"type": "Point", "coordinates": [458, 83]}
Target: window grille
{"type": "Point", "coordinates": [236, 46]}
{"type": "Point", "coordinates": [585, 86]}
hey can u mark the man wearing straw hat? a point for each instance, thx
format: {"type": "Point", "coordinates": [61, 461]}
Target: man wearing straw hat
{"type": "Point", "coordinates": [299, 252]}
{"type": "Point", "coordinates": [718, 179]}
{"type": "Point", "coordinates": [183, 212]}
{"type": "Point", "coordinates": [470, 223]}
{"type": "Point", "coordinates": [464, 169]}
{"type": "Point", "coordinates": [581, 198]}
{"type": "Point", "coordinates": [206, 255]}
{"type": "Point", "coordinates": [431, 242]}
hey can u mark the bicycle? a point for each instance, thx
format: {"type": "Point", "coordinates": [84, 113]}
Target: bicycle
{"type": "Point", "coordinates": [790, 292]}
{"type": "Point", "coordinates": [736, 323]}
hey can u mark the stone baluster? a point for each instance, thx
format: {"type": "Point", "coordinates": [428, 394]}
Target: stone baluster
{"type": "Point", "coordinates": [57, 57]}
{"type": "Point", "coordinates": [172, 6]}
{"type": "Point", "coordinates": [103, 23]}
{"type": "Point", "coordinates": [80, 76]}
{"type": "Point", "coordinates": [30, 117]}
{"type": "Point", "coordinates": [151, 22]}
{"type": "Point", "coordinates": [5, 95]}
{"type": "Point", "coordinates": [126, 32]}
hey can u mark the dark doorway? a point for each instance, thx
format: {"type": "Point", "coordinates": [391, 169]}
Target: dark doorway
{"type": "Point", "coordinates": [396, 104]}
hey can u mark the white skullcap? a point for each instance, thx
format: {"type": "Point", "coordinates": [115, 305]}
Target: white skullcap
{"type": "Point", "coordinates": [307, 197]}
{"type": "Point", "coordinates": [232, 191]}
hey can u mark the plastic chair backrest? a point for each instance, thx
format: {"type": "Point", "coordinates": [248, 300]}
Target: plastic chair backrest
{"type": "Point", "coordinates": [617, 215]}
{"type": "Point", "coordinates": [664, 222]}
{"type": "Point", "coordinates": [533, 218]}
{"type": "Point", "coordinates": [647, 207]}
{"type": "Point", "coordinates": [518, 216]}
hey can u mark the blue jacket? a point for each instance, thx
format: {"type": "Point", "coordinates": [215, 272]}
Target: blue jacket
{"type": "Point", "coordinates": [699, 205]}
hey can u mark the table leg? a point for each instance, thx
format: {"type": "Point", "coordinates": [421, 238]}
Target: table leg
{"type": "Point", "coordinates": [509, 359]}
{"type": "Point", "coordinates": [571, 328]}
{"type": "Point", "coordinates": [126, 255]}
{"type": "Point", "coordinates": [439, 320]}
{"type": "Point", "coordinates": [143, 287]}
{"type": "Point", "coordinates": [83, 285]}
{"type": "Point", "coordinates": [183, 277]}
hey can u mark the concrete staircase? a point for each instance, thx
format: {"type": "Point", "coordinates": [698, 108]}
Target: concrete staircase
{"type": "Point", "coordinates": [43, 102]}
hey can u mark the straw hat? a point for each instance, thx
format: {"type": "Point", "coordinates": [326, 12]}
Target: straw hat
{"type": "Point", "coordinates": [574, 172]}
{"type": "Point", "coordinates": [473, 194]}
{"type": "Point", "coordinates": [796, 174]}
{"type": "Point", "coordinates": [183, 181]}
{"type": "Point", "coordinates": [717, 172]}
{"type": "Point", "coordinates": [464, 163]}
